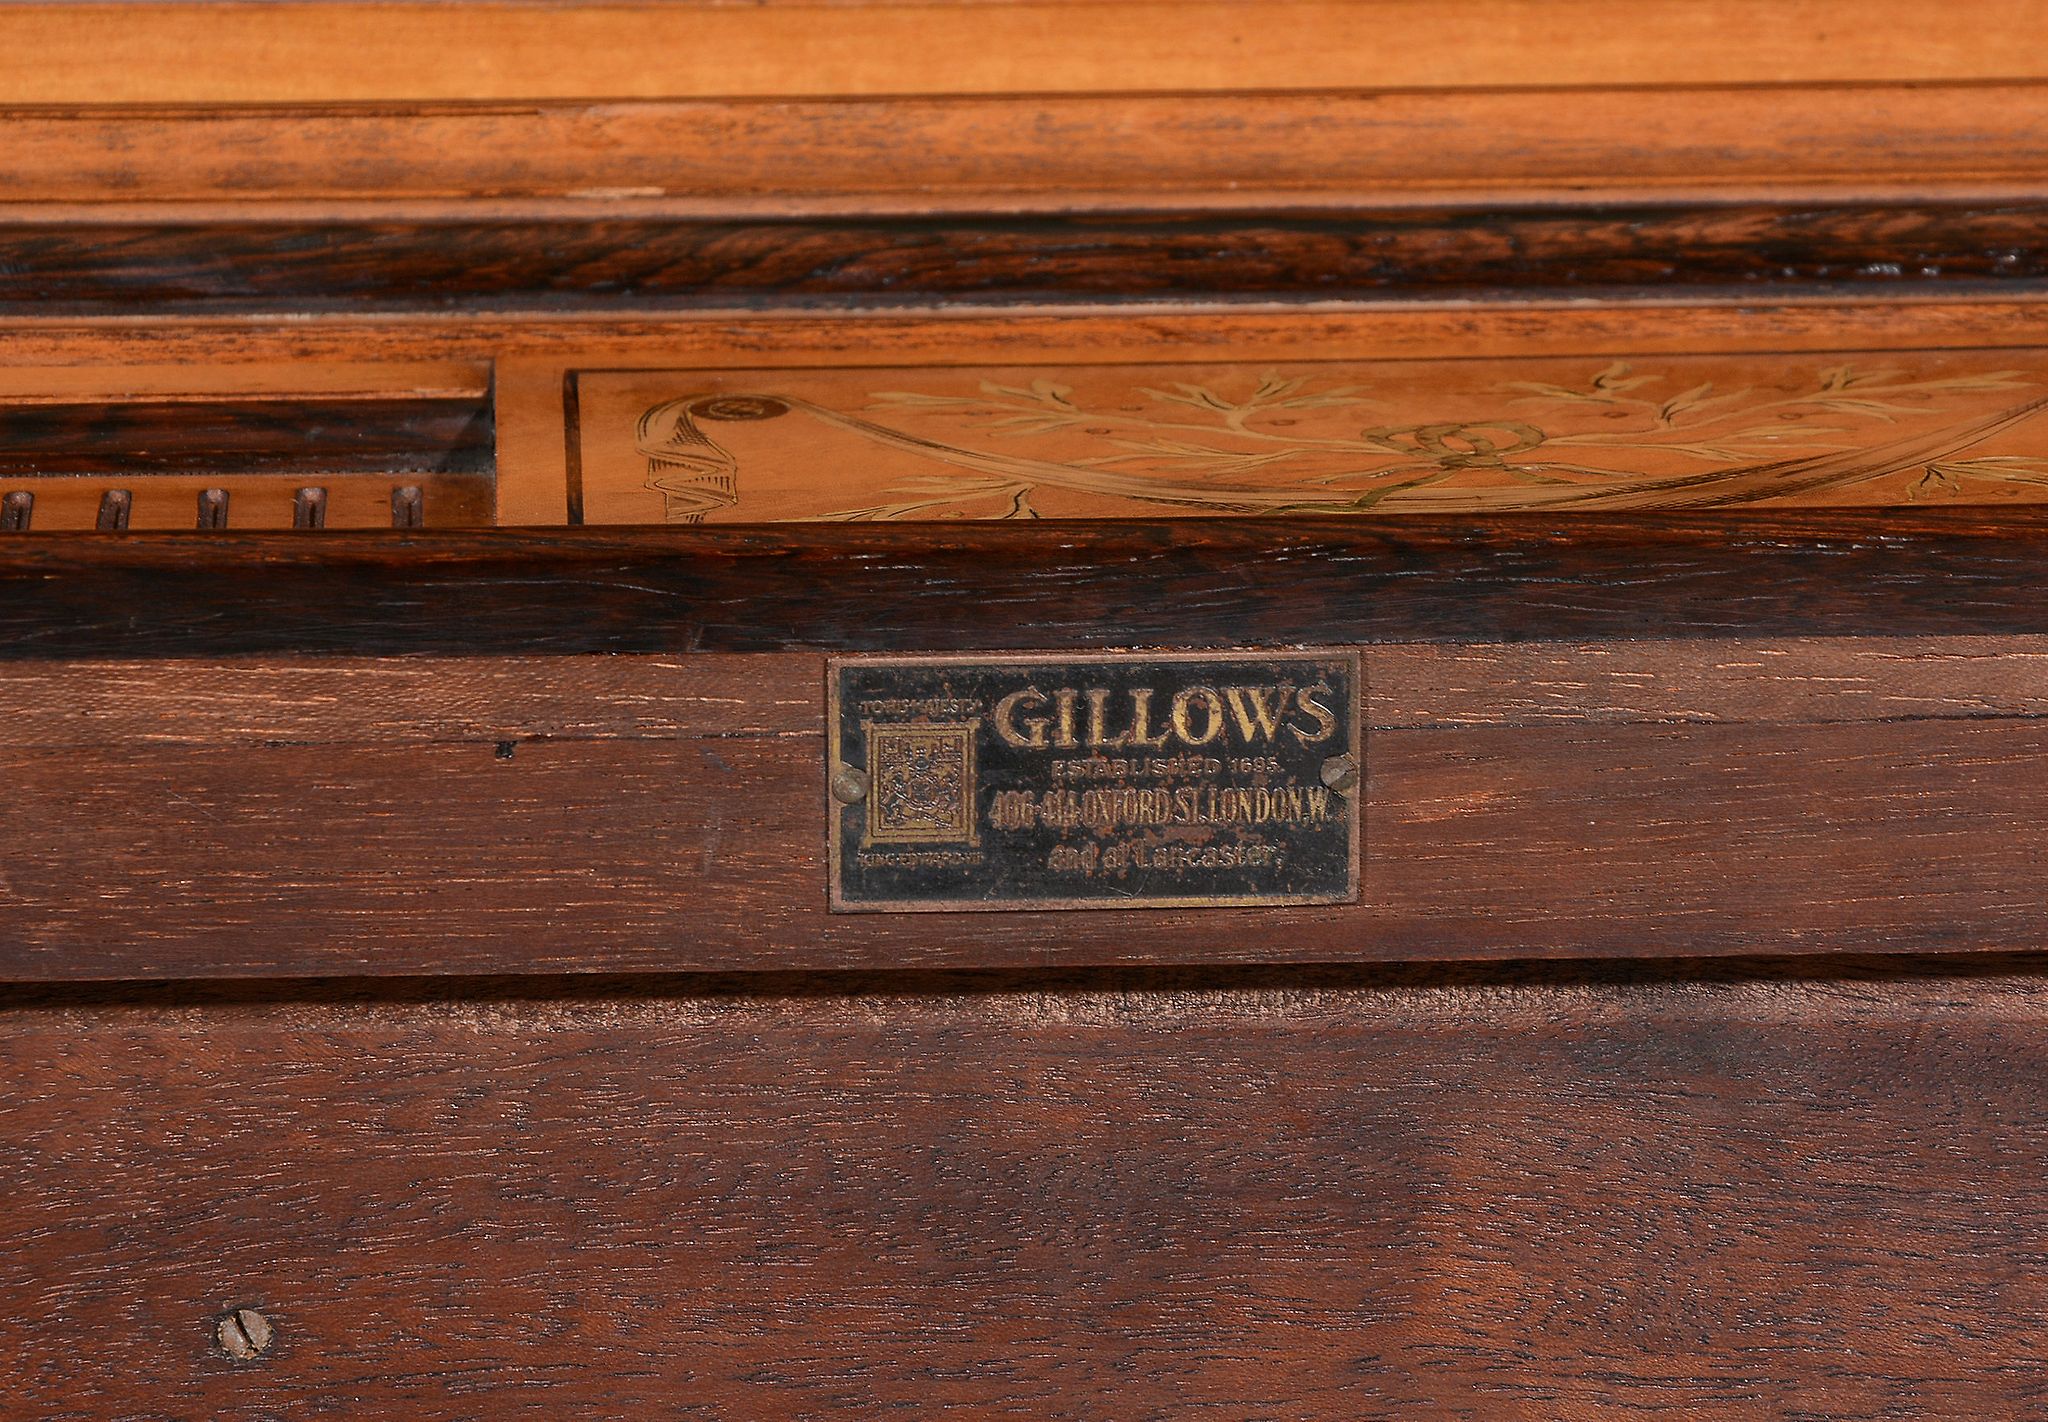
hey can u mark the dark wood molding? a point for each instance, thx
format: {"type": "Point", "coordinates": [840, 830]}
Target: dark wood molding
{"type": "Point", "coordinates": [220, 268]}
{"type": "Point", "coordinates": [1049, 585]}
{"type": "Point", "coordinates": [281, 434]}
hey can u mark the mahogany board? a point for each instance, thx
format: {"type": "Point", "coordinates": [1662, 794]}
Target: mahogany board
{"type": "Point", "coordinates": [1507, 1195]}
{"type": "Point", "coordinates": [597, 813]}
{"type": "Point", "coordinates": [900, 587]}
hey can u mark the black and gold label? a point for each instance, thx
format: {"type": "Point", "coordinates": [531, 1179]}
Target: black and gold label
{"type": "Point", "coordinates": [1119, 780]}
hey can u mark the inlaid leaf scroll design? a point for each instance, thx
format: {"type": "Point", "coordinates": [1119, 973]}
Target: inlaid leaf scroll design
{"type": "Point", "coordinates": [1282, 442]}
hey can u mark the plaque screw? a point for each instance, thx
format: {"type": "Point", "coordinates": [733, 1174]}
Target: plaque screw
{"type": "Point", "coordinates": [1340, 773]}
{"type": "Point", "coordinates": [849, 784]}
{"type": "Point", "coordinates": [243, 1333]}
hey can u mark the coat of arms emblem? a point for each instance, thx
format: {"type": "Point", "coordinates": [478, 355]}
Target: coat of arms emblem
{"type": "Point", "coordinates": [923, 784]}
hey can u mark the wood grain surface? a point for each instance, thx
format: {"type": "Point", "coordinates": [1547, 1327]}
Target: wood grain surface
{"type": "Point", "coordinates": [530, 346]}
{"type": "Point", "coordinates": [248, 455]}
{"type": "Point", "coordinates": [329, 860]}
{"type": "Point", "coordinates": [1504, 1196]}
{"type": "Point", "coordinates": [613, 813]}
{"type": "Point", "coordinates": [902, 587]}
{"type": "Point", "coordinates": [1372, 147]}
{"type": "Point", "coordinates": [269, 435]}
{"type": "Point", "coordinates": [251, 51]}
{"type": "Point", "coordinates": [1473, 435]}
{"type": "Point", "coordinates": [22, 384]}
{"type": "Point", "coordinates": [213, 501]}
{"type": "Point", "coordinates": [197, 268]}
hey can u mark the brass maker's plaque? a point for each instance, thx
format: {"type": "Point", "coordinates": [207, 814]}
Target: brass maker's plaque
{"type": "Point", "coordinates": [1090, 781]}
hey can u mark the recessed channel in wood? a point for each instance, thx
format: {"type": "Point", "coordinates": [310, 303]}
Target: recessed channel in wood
{"type": "Point", "coordinates": [286, 460]}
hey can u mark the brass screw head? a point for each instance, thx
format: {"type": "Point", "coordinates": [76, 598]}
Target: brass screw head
{"type": "Point", "coordinates": [1340, 773]}
{"type": "Point", "coordinates": [243, 1333]}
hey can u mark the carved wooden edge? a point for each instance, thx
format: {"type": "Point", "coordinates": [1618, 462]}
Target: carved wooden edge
{"type": "Point", "coordinates": [907, 587]}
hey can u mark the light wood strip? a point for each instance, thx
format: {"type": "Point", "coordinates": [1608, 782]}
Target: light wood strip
{"type": "Point", "coordinates": [349, 50]}
{"type": "Point", "coordinates": [22, 385]}
{"type": "Point", "coordinates": [963, 335]}
{"type": "Point", "coordinates": [1076, 152]}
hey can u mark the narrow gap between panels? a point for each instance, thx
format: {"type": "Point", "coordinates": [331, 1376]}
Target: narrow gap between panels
{"type": "Point", "coordinates": [921, 982]}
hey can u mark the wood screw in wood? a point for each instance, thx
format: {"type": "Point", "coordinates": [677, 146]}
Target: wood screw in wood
{"type": "Point", "coordinates": [1340, 773]}
{"type": "Point", "coordinates": [243, 1333]}
{"type": "Point", "coordinates": [849, 784]}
